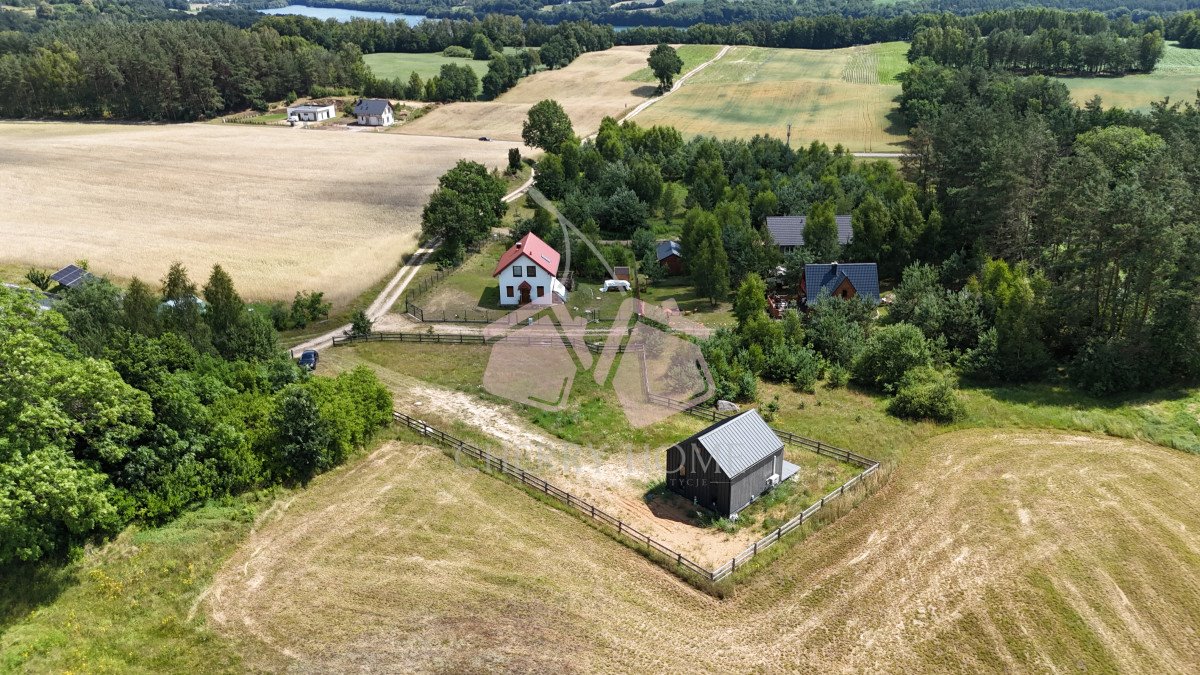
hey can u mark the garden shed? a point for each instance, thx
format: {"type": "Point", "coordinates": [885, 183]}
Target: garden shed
{"type": "Point", "coordinates": [727, 466]}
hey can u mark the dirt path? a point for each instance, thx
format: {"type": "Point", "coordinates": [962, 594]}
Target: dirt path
{"type": "Point", "coordinates": [678, 83]}
{"type": "Point", "coordinates": [380, 308]}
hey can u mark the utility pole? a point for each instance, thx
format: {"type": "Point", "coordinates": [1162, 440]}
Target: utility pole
{"type": "Point", "coordinates": [789, 135]}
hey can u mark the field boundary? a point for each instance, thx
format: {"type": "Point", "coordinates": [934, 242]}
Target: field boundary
{"type": "Point", "coordinates": [623, 531]}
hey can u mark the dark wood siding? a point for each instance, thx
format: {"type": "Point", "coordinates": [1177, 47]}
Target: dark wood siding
{"type": "Point", "coordinates": [753, 482]}
{"type": "Point", "coordinates": [693, 474]}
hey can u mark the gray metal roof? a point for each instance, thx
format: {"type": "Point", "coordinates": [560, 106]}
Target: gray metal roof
{"type": "Point", "coordinates": [738, 443]}
{"type": "Point", "coordinates": [371, 106]}
{"type": "Point", "coordinates": [864, 277]}
{"type": "Point", "coordinates": [668, 248]}
{"type": "Point", "coordinates": [789, 230]}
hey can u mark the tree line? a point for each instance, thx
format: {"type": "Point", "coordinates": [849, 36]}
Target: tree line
{"type": "Point", "coordinates": [156, 70]}
{"type": "Point", "coordinates": [1185, 27]}
{"type": "Point", "coordinates": [1044, 50]}
{"type": "Point", "coordinates": [1094, 210]}
{"type": "Point", "coordinates": [138, 403]}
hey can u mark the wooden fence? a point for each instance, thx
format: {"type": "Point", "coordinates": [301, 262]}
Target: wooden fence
{"type": "Point", "coordinates": [493, 463]}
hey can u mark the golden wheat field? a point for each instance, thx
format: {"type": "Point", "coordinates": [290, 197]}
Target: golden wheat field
{"type": "Point", "coordinates": [281, 209]}
{"type": "Point", "coordinates": [988, 551]}
{"type": "Point", "coordinates": [592, 87]}
{"type": "Point", "coordinates": [834, 96]}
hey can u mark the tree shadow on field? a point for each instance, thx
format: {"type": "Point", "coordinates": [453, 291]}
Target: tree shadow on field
{"type": "Point", "coordinates": [645, 91]}
{"type": "Point", "coordinates": [897, 125]}
{"type": "Point", "coordinates": [25, 588]}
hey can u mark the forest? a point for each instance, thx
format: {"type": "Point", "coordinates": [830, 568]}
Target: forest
{"type": "Point", "coordinates": [134, 404]}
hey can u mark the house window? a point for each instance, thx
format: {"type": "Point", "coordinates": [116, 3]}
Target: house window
{"type": "Point", "coordinates": [541, 291]}
{"type": "Point", "coordinates": [510, 291]}
{"type": "Point", "coordinates": [530, 271]}
{"type": "Point", "coordinates": [518, 271]}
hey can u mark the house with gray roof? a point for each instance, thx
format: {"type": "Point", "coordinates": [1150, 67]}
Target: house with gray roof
{"type": "Point", "coordinates": [670, 256]}
{"type": "Point", "coordinates": [727, 466]}
{"type": "Point", "coordinates": [840, 280]}
{"type": "Point", "coordinates": [374, 112]}
{"type": "Point", "coordinates": [788, 231]}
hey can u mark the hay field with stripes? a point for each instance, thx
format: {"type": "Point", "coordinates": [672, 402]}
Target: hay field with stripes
{"type": "Point", "coordinates": [844, 96]}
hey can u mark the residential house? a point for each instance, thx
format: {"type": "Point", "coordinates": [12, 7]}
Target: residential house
{"type": "Point", "coordinates": [788, 231]}
{"type": "Point", "coordinates": [840, 280]}
{"type": "Point", "coordinates": [309, 112]}
{"type": "Point", "coordinates": [528, 273]}
{"type": "Point", "coordinates": [374, 112]}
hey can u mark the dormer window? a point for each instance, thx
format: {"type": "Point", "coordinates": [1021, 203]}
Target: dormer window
{"type": "Point", "coordinates": [518, 271]}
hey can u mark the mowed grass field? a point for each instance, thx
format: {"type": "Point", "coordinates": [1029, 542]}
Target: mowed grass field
{"type": "Point", "coordinates": [281, 209]}
{"type": "Point", "coordinates": [691, 55]}
{"type": "Point", "coordinates": [834, 96]}
{"type": "Point", "coordinates": [986, 552]}
{"type": "Point", "coordinates": [594, 86]}
{"type": "Point", "coordinates": [393, 65]}
{"type": "Point", "coordinates": [1177, 75]}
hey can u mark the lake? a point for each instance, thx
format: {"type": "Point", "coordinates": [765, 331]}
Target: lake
{"type": "Point", "coordinates": [344, 14]}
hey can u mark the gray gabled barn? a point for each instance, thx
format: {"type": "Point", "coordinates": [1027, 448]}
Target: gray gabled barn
{"type": "Point", "coordinates": [728, 465]}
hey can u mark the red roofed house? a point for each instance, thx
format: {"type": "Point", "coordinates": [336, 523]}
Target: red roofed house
{"type": "Point", "coordinates": [528, 272]}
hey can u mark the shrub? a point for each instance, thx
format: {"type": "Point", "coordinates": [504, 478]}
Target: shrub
{"type": "Point", "coordinates": [457, 52]}
{"type": "Point", "coordinates": [838, 376]}
{"type": "Point", "coordinates": [889, 353]}
{"type": "Point", "coordinates": [925, 393]}
{"type": "Point", "coordinates": [361, 324]}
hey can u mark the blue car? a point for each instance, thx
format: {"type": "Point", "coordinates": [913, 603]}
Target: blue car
{"type": "Point", "coordinates": [309, 359]}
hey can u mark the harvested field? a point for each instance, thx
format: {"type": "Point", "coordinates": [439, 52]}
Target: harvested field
{"type": "Point", "coordinates": [834, 96]}
{"type": "Point", "coordinates": [987, 552]}
{"type": "Point", "coordinates": [592, 87]}
{"type": "Point", "coordinates": [281, 209]}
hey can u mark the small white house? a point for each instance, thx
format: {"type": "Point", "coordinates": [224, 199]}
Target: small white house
{"type": "Point", "coordinates": [311, 113]}
{"type": "Point", "coordinates": [374, 112]}
{"type": "Point", "coordinates": [528, 273]}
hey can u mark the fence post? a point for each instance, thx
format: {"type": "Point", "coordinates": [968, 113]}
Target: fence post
{"type": "Point", "coordinates": [733, 564]}
{"type": "Point", "coordinates": [619, 526]}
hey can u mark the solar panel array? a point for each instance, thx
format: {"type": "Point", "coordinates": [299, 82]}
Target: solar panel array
{"type": "Point", "coordinates": [72, 276]}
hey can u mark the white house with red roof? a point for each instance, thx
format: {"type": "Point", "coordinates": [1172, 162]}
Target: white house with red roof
{"type": "Point", "coordinates": [528, 273]}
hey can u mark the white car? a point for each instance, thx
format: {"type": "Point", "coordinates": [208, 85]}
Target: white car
{"type": "Point", "coordinates": [615, 285]}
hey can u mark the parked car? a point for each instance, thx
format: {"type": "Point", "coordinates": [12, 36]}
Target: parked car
{"type": "Point", "coordinates": [309, 359]}
{"type": "Point", "coordinates": [484, 138]}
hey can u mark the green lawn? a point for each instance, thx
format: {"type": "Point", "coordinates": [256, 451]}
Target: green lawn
{"type": "Point", "coordinates": [393, 65]}
{"type": "Point", "coordinates": [692, 56]}
{"type": "Point", "coordinates": [693, 306]}
{"type": "Point", "coordinates": [1177, 75]}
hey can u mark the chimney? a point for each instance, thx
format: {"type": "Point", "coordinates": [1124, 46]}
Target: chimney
{"type": "Point", "coordinates": [834, 268]}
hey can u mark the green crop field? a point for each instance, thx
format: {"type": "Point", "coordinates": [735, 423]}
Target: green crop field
{"type": "Point", "coordinates": [692, 55]}
{"type": "Point", "coordinates": [392, 65]}
{"type": "Point", "coordinates": [1177, 76]}
{"type": "Point", "coordinates": [844, 96]}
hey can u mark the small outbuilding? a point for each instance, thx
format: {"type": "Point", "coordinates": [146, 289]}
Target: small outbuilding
{"type": "Point", "coordinates": [374, 112]}
{"type": "Point", "coordinates": [621, 273]}
{"type": "Point", "coordinates": [309, 112]}
{"type": "Point", "coordinates": [670, 256]}
{"type": "Point", "coordinates": [728, 465]}
{"type": "Point", "coordinates": [840, 280]}
{"type": "Point", "coordinates": [788, 231]}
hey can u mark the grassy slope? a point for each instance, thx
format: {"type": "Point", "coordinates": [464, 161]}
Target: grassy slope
{"type": "Point", "coordinates": [126, 606]}
{"type": "Point", "coordinates": [835, 96]}
{"type": "Point", "coordinates": [692, 56]}
{"type": "Point", "coordinates": [1177, 75]}
{"type": "Point", "coordinates": [987, 552]}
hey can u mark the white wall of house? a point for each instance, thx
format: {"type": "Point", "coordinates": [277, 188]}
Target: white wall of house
{"type": "Point", "coordinates": [311, 115]}
{"type": "Point", "coordinates": [541, 284]}
{"type": "Point", "coordinates": [384, 120]}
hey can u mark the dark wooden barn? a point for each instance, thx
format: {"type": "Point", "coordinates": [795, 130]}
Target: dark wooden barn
{"type": "Point", "coordinates": [728, 465]}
